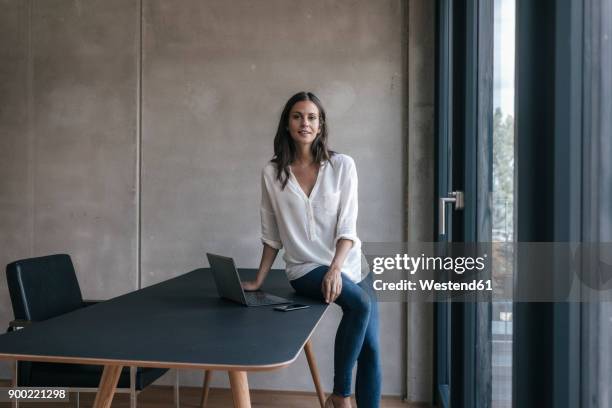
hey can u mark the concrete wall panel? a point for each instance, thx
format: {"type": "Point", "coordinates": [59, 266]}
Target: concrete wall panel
{"type": "Point", "coordinates": [15, 173]}
{"type": "Point", "coordinates": [420, 188]}
{"type": "Point", "coordinates": [84, 116]}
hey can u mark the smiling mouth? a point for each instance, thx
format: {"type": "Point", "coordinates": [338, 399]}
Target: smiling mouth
{"type": "Point", "coordinates": [304, 132]}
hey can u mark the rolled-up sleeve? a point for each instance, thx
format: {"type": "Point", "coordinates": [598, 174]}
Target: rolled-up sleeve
{"type": "Point", "coordinates": [347, 215]}
{"type": "Point", "coordinates": [269, 226]}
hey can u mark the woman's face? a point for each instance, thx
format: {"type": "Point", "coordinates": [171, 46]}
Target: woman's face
{"type": "Point", "coordinates": [304, 122]}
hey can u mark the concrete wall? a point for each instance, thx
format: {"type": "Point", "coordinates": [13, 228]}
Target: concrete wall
{"type": "Point", "coordinates": [67, 129]}
{"type": "Point", "coordinates": [420, 188]}
{"type": "Point", "coordinates": [138, 148]}
{"type": "Point", "coordinates": [16, 219]}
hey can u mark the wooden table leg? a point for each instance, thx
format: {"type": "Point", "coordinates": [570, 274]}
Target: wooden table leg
{"type": "Point", "coordinates": [206, 388]}
{"type": "Point", "coordinates": [14, 382]}
{"type": "Point", "coordinates": [177, 389]}
{"type": "Point", "coordinates": [314, 371]}
{"type": "Point", "coordinates": [240, 389]}
{"type": "Point", "coordinates": [108, 384]}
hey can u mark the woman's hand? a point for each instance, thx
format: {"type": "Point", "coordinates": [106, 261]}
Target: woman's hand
{"type": "Point", "coordinates": [332, 284]}
{"type": "Point", "coordinates": [267, 259]}
{"type": "Point", "coordinates": [251, 285]}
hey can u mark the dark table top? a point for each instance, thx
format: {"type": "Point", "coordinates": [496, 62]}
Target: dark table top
{"type": "Point", "coordinates": [179, 323]}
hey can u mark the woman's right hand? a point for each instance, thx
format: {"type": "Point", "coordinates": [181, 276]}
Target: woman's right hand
{"type": "Point", "coordinates": [251, 285]}
{"type": "Point", "coordinates": [267, 259]}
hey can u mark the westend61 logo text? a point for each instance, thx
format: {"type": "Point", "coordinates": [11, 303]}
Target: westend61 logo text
{"type": "Point", "coordinates": [412, 264]}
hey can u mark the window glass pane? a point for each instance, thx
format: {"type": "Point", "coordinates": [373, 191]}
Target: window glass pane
{"type": "Point", "coordinates": [597, 205]}
{"type": "Point", "coordinates": [502, 211]}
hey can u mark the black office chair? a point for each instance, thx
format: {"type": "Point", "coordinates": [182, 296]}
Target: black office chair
{"type": "Point", "coordinates": [45, 287]}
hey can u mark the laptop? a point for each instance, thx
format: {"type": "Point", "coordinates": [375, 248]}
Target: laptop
{"type": "Point", "coordinates": [229, 287]}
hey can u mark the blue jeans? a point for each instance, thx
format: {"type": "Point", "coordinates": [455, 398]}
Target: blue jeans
{"type": "Point", "coordinates": [356, 338]}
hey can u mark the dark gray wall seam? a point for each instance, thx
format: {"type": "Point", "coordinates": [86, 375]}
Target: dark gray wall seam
{"type": "Point", "coordinates": [405, 74]}
{"type": "Point", "coordinates": [31, 165]}
{"type": "Point", "coordinates": [139, 147]}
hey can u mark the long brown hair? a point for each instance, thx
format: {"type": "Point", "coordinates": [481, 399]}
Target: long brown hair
{"type": "Point", "coordinates": [284, 146]}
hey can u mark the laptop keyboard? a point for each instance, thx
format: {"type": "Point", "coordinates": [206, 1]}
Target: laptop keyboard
{"type": "Point", "coordinates": [262, 299]}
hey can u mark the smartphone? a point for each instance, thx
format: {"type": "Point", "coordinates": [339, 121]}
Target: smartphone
{"type": "Point", "coordinates": [291, 307]}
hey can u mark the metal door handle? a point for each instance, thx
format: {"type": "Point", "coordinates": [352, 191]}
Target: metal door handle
{"type": "Point", "coordinates": [455, 197]}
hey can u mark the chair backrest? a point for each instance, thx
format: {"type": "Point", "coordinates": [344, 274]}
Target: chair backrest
{"type": "Point", "coordinates": [43, 287]}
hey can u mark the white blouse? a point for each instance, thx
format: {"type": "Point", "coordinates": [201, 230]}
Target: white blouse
{"type": "Point", "coordinates": [309, 227]}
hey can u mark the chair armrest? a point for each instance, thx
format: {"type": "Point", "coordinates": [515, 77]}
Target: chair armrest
{"type": "Point", "coordinates": [90, 302]}
{"type": "Point", "coordinates": [18, 324]}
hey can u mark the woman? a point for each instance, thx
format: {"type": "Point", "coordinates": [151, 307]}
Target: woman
{"type": "Point", "coordinates": [309, 207]}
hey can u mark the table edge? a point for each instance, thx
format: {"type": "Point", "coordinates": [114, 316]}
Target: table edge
{"type": "Point", "coordinates": [160, 364]}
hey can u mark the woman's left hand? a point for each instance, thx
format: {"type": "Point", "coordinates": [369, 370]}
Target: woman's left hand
{"type": "Point", "coordinates": [332, 285]}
